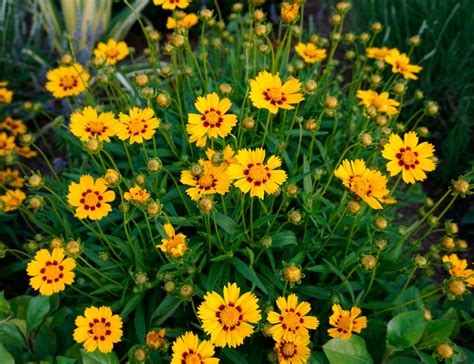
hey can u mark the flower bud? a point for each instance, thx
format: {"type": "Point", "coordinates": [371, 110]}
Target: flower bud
{"type": "Point", "coordinates": [111, 177]}
{"type": "Point", "coordinates": [368, 262]}
{"type": "Point", "coordinates": [381, 120]}
{"type": "Point", "coordinates": [154, 165]}
{"type": "Point", "coordinates": [431, 108]}
{"type": "Point", "coordinates": [330, 102]}
{"type": "Point", "coordinates": [35, 202]}
{"type": "Point", "coordinates": [292, 190]}
{"type": "Point", "coordinates": [196, 170]}
{"type": "Point", "coordinates": [452, 228]}
{"type": "Point", "coordinates": [375, 79]}
{"type": "Point", "coordinates": [447, 243]}
{"type": "Point", "coordinates": [292, 274]}
{"type": "Point", "coordinates": [141, 80]}
{"type": "Point", "coordinates": [421, 261]}
{"type": "Point", "coordinates": [154, 208]}
{"type": "Point", "coordinates": [427, 314]}
{"type": "Point", "coordinates": [154, 36]}
{"type": "Point", "coordinates": [461, 186]}
{"type": "Point", "coordinates": [423, 131]}
{"type": "Point", "coordinates": [35, 181]}
{"type": "Point", "coordinates": [186, 291]}
{"type": "Point", "coordinates": [456, 287]}
{"type": "Point", "coordinates": [104, 256]}
{"type": "Point", "coordinates": [266, 329]}
{"type": "Point", "coordinates": [56, 242]}
{"type": "Point", "coordinates": [295, 217]}
{"type": "Point", "coordinates": [225, 89]}
{"type": "Point", "coordinates": [311, 125]}
{"type": "Point", "coordinates": [419, 95]}
{"type": "Point", "coordinates": [266, 242]}
{"type": "Point", "coordinates": [336, 19]}
{"type": "Point", "coordinates": [248, 123]}
{"type": "Point", "coordinates": [310, 85]}
{"type": "Point", "coordinates": [163, 100]}
{"type": "Point", "coordinates": [259, 15]}
{"type": "Point", "coordinates": [343, 6]}
{"type": "Point", "coordinates": [169, 286]}
{"type": "Point", "coordinates": [353, 206]}
{"type": "Point", "coordinates": [399, 88]}
{"type": "Point", "coordinates": [380, 223]}
{"type": "Point", "coordinates": [377, 27]}
{"type": "Point", "coordinates": [364, 37]}
{"type": "Point", "coordinates": [139, 355]}
{"type": "Point", "coordinates": [462, 244]}
{"type": "Point", "coordinates": [205, 204]}
{"type": "Point", "coordinates": [93, 146]}
{"type": "Point", "coordinates": [414, 41]}
{"type": "Point", "coordinates": [366, 139]}
{"type": "Point", "coordinates": [74, 248]}
{"type": "Point", "coordinates": [141, 278]}
{"type": "Point", "coordinates": [381, 244]}
{"type": "Point", "coordinates": [140, 179]}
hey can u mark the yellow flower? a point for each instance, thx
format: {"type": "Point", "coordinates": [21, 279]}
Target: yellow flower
{"type": "Point", "coordinates": [292, 321]}
{"type": "Point", "coordinates": [401, 64]}
{"type": "Point", "coordinates": [370, 185]}
{"type": "Point", "coordinates": [26, 152]}
{"type": "Point", "coordinates": [16, 127]}
{"type": "Point", "coordinates": [294, 351]}
{"type": "Point", "coordinates": [156, 339]}
{"type": "Point", "coordinates": [7, 144]}
{"type": "Point", "coordinates": [381, 102]}
{"type": "Point", "coordinates": [172, 4]}
{"type": "Point", "coordinates": [137, 195]}
{"type": "Point", "coordinates": [11, 200]}
{"type": "Point", "coordinates": [91, 198]}
{"type": "Point", "coordinates": [98, 328]}
{"type": "Point", "coordinates": [11, 178]}
{"type": "Point", "coordinates": [188, 349]}
{"type": "Point", "coordinates": [139, 124]}
{"type": "Point", "coordinates": [91, 124]}
{"type": "Point", "coordinates": [289, 12]}
{"type": "Point", "coordinates": [310, 53]}
{"type": "Point", "coordinates": [6, 95]}
{"type": "Point", "coordinates": [458, 268]}
{"type": "Point", "coordinates": [50, 272]}
{"type": "Point", "coordinates": [112, 51]}
{"type": "Point", "coordinates": [175, 245]}
{"type": "Point", "coordinates": [186, 22]}
{"type": "Point", "coordinates": [377, 53]}
{"type": "Point", "coordinates": [408, 157]}
{"type": "Point", "coordinates": [228, 319]}
{"type": "Point", "coordinates": [267, 92]}
{"type": "Point", "coordinates": [212, 180]}
{"type": "Point", "coordinates": [228, 156]}
{"type": "Point", "coordinates": [345, 322]}
{"type": "Point", "coordinates": [253, 175]}
{"type": "Point", "coordinates": [212, 121]}
{"type": "Point", "coordinates": [67, 81]}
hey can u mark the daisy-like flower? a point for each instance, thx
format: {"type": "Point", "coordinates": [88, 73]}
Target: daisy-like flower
{"type": "Point", "coordinates": [295, 351]}
{"type": "Point", "coordinates": [310, 53]}
{"type": "Point", "coordinates": [292, 321]}
{"type": "Point", "coordinates": [182, 21]}
{"type": "Point", "coordinates": [172, 4]}
{"type": "Point", "coordinates": [255, 176]}
{"type": "Point", "coordinates": [400, 63]}
{"type": "Point", "coordinates": [91, 198]}
{"type": "Point", "coordinates": [90, 124]}
{"type": "Point", "coordinates": [11, 200]}
{"type": "Point", "coordinates": [7, 144]}
{"type": "Point", "coordinates": [377, 53]}
{"type": "Point", "coordinates": [228, 319]}
{"type": "Point", "coordinates": [156, 339]}
{"type": "Point", "coordinates": [16, 127]}
{"type": "Point", "coordinates": [98, 328]}
{"type": "Point", "coordinates": [289, 12]}
{"type": "Point", "coordinates": [226, 158]}
{"type": "Point", "coordinates": [409, 157]}
{"type": "Point", "coordinates": [26, 152]}
{"type": "Point", "coordinates": [267, 92]}
{"type": "Point", "coordinates": [345, 322]}
{"type": "Point", "coordinates": [370, 185]}
{"type": "Point", "coordinates": [11, 178]}
{"type": "Point", "coordinates": [188, 349]}
{"type": "Point", "coordinates": [137, 125]}
{"type": "Point", "coordinates": [381, 102]}
{"type": "Point", "coordinates": [212, 180]}
{"type": "Point", "coordinates": [67, 80]}
{"type": "Point", "coordinates": [6, 95]}
{"type": "Point", "coordinates": [137, 195]}
{"type": "Point", "coordinates": [458, 268]}
{"type": "Point", "coordinates": [212, 121]}
{"type": "Point", "coordinates": [175, 244]}
{"type": "Point", "coordinates": [50, 272]}
{"type": "Point", "coordinates": [112, 51]}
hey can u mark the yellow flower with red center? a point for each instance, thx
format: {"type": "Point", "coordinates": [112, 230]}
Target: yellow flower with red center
{"type": "Point", "coordinates": [227, 155]}
{"type": "Point", "coordinates": [409, 157]}
{"type": "Point", "coordinates": [212, 122]}
{"type": "Point", "coordinates": [26, 152]}
{"type": "Point", "coordinates": [156, 339]}
{"type": "Point", "coordinates": [294, 351]}
{"type": "Point", "coordinates": [11, 178]}
{"type": "Point", "coordinates": [400, 63]}
{"type": "Point", "coordinates": [377, 53]}
{"type": "Point", "coordinates": [112, 51]}
{"type": "Point", "coordinates": [11, 200]}
{"type": "Point", "coordinates": [458, 268]}
{"type": "Point", "coordinates": [16, 127]}
{"type": "Point", "coordinates": [6, 95]}
{"type": "Point", "coordinates": [90, 124]}
{"type": "Point", "coordinates": [289, 12]}
{"type": "Point", "coordinates": [345, 322]}
{"type": "Point", "coordinates": [172, 4]}
{"type": "Point", "coordinates": [212, 180]}
{"type": "Point", "coordinates": [188, 349]}
{"type": "Point", "coordinates": [91, 198]}
{"type": "Point", "coordinates": [267, 92]}
{"type": "Point", "coordinates": [175, 244]}
{"type": "Point", "coordinates": [381, 102]}
{"type": "Point", "coordinates": [137, 125]}
{"type": "Point", "coordinates": [186, 21]}
{"type": "Point", "coordinates": [7, 144]}
{"type": "Point", "coordinates": [310, 53]}
{"type": "Point", "coordinates": [228, 319]}
{"type": "Point", "coordinates": [137, 195]}
{"type": "Point", "coordinates": [253, 175]}
{"type": "Point", "coordinates": [50, 272]}
{"type": "Point", "coordinates": [67, 80]}
{"type": "Point", "coordinates": [98, 328]}
{"type": "Point", "coordinates": [370, 185]}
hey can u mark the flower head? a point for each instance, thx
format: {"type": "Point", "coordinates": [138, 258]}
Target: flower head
{"type": "Point", "coordinates": [377, 53]}
{"type": "Point", "coordinates": [227, 157]}
{"type": "Point", "coordinates": [7, 144]}
{"type": "Point", "coordinates": [50, 272]}
{"type": "Point", "coordinates": [188, 349]}
{"type": "Point", "coordinates": [16, 127]}
{"type": "Point", "coordinates": [175, 244]}
{"type": "Point", "coordinates": [228, 319]}
{"type": "Point", "coordinates": [26, 152]}
{"type": "Point", "coordinates": [255, 176]}
{"type": "Point", "coordinates": [185, 22]}
{"type": "Point", "coordinates": [67, 81]}
{"type": "Point", "coordinates": [11, 178]}
{"type": "Point", "coordinates": [90, 198]}
{"type": "Point", "coordinates": [11, 200]}
{"type": "Point", "coordinates": [137, 125]}
{"type": "Point", "coordinates": [310, 53]}
{"type": "Point", "coordinates": [289, 12]}
{"type": "Point", "coordinates": [345, 322]}
{"type": "Point", "coordinates": [137, 195]}
{"type": "Point", "coordinates": [293, 351]}
{"type": "Point", "coordinates": [6, 95]}
{"type": "Point", "coordinates": [90, 124]}
{"type": "Point", "coordinates": [112, 51]}
{"type": "Point", "coordinates": [408, 157]}
{"type": "Point", "coordinates": [381, 102]}
{"type": "Point", "coordinates": [458, 268]}
{"type": "Point", "coordinates": [156, 339]}
{"type": "Point", "coordinates": [98, 328]}
{"type": "Point", "coordinates": [172, 4]}
{"type": "Point", "coordinates": [400, 63]}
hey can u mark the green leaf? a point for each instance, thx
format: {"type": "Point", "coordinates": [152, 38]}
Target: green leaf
{"type": "Point", "coordinates": [437, 330]}
{"type": "Point", "coordinates": [226, 223]}
{"type": "Point", "coordinates": [248, 273]}
{"type": "Point", "coordinates": [97, 357]}
{"type": "Point", "coordinates": [351, 351]}
{"type": "Point", "coordinates": [168, 302]}
{"type": "Point", "coordinates": [234, 356]}
{"type": "Point", "coordinates": [4, 305]}
{"type": "Point", "coordinates": [37, 310]}
{"type": "Point", "coordinates": [5, 356]}
{"type": "Point", "coordinates": [64, 360]}
{"type": "Point", "coordinates": [403, 360]}
{"type": "Point", "coordinates": [10, 334]}
{"type": "Point", "coordinates": [405, 329]}
{"type": "Point", "coordinates": [284, 238]}
{"type": "Point", "coordinates": [426, 359]}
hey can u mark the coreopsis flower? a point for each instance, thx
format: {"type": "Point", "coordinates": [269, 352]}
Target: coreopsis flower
{"type": "Point", "coordinates": [11, 178]}
{"type": "Point", "coordinates": [50, 272]}
{"type": "Point", "coordinates": [98, 328]}
{"type": "Point", "coordinates": [175, 244]}
{"type": "Point", "coordinates": [382, 103]}
{"type": "Point", "coordinates": [228, 319]}
{"type": "Point", "coordinates": [172, 4]}
{"type": "Point", "coordinates": [253, 175]}
{"type": "Point", "coordinates": [400, 63]}
{"type": "Point", "coordinates": [91, 198]}
{"type": "Point", "coordinates": [112, 51]}
{"type": "Point", "coordinates": [267, 92]}
{"type": "Point", "coordinates": [212, 180]}
{"type": "Point", "coordinates": [137, 195]}
{"type": "Point", "coordinates": [11, 200]}
{"type": "Point", "coordinates": [26, 152]}
{"type": "Point", "coordinates": [7, 144]}
{"type": "Point", "coordinates": [16, 127]}
{"type": "Point", "coordinates": [292, 320]}
{"type": "Point", "coordinates": [289, 12]}
{"type": "Point", "coordinates": [409, 157]}
{"type": "Point", "coordinates": [137, 125]}
{"type": "Point", "coordinates": [188, 349]}
{"type": "Point", "coordinates": [459, 268]}
{"type": "Point", "coordinates": [370, 185]}
{"type": "Point", "coordinates": [310, 53]}
{"type": "Point", "coordinates": [88, 123]}
{"type": "Point", "coordinates": [345, 322]}
{"type": "Point", "coordinates": [6, 95]}
{"type": "Point", "coordinates": [293, 351]}
{"type": "Point", "coordinates": [226, 158]}
{"type": "Point", "coordinates": [67, 80]}
{"type": "Point", "coordinates": [155, 340]}
{"type": "Point", "coordinates": [185, 22]}
{"type": "Point", "coordinates": [212, 122]}
{"type": "Point", "coordinates": [377, 53]}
